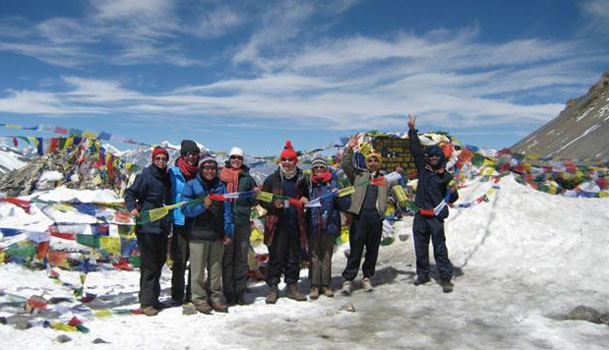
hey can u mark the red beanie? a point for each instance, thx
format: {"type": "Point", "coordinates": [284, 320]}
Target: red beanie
{"type": "Point", "coordinates": [160, 150]}
{"type": "Point", "coordinates": [288, 151]}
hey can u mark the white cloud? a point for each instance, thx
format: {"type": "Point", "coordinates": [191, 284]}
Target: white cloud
{"type": "Point", "coordinates": [122, 9]}
{"type": "Point", "coordinates": [597, 12]}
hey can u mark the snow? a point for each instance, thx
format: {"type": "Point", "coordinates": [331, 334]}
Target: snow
{"type": "Point", "coordinates": [588, 131]}
{"type": "Point", "coordinates": [51, 176]}
{"type": "Point", "coordinates": [523, 260]}
{"type": "Point", "coordinates": [584, 114]}
{"type": "Point", "coordinates": [9, 160]}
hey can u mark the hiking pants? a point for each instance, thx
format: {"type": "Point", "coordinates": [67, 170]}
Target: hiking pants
{"type": "Point", "coordinates": [366, 231]}
{"type": "Point", "coordinates": [424, 228]}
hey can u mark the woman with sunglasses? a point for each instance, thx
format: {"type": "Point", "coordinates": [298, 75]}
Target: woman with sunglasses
{"type": "Point", "coordinates": [150, 190]}
{"type": "Point", "coordinates": [323, 223]}
{"type": "Point", "coordinates": [236, 176]}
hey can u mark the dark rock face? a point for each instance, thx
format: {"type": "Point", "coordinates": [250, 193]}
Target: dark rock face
{"type": "Point", "coordinates": [584, 313]}
{"type": "Point", "coordinates": [581, 130]}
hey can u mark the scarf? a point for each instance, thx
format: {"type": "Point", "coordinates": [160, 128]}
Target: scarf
{"type": "Point", "coordinates": [230, 176]}
{"type": "Point", "coordinates": [323, 179]}
{"type": "Point", "coordinates": [188, 170]}
{"type": "Point", "coordinates": [288, 174]}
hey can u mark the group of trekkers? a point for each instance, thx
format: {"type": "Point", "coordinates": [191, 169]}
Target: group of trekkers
{"type": "Point", "coordinates": [214, 235]}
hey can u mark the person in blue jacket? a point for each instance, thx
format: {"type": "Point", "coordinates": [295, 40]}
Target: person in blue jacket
{"type": "Point", "coordinates": [323, 223]}
{"type": "Point", "coordinates": [150, 190]}
{"type": "Point", "coordinates": [210, 230]}
{"type": "Point", "coordinates": [432, 189]}
{"type": "Point", "coordinates": [186, 168]}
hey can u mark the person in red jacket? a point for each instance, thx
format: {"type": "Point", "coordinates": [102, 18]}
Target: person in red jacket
{"type": "Point", "coordinates": [284, 232]}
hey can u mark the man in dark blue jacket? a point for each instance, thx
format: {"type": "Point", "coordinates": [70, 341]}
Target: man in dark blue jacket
{"type": "Point", "coordinates": [432, 196]}
{"type": "Point", "coordinates": [150, 190]}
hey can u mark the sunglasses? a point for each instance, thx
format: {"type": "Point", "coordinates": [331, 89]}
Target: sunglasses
{"type": "Point", "coordinates": [287, 159]}
{"type": "Point", "coordinates": [190, 154]}
{"type": "Point", "coordinates": [209, 168]}
{"type": "Point", "coordinates": [163, 159]}
{"type": "Point", "coordinates": [236, 157]}
{"type": "Point", "coordinates": [433, 156]}
{"type": "Point", "coordinates": [319, 167]}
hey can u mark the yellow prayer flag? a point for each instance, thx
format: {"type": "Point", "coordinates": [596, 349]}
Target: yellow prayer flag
{"type": "Point", "coordinates": [487, 171]}
{"type": "Point", "coordinates": [158, 213]}
{"type": "Point", "coordinates": [69, 142]}
{"type": "Point", "coordinates": [257, 237]}
{"type": "Point", "coordinates": [491, 192]}
{"type": "Point", "coordinates": [399, 192]}
{"type": "Point", "coordinates": [89, 134]}
{"type": "Point", "coordinates": [33, 139]}
{"type": "Point", "coordinates": [2, 258]}
{"type": "Point", "coordinates": [62, 327]}
{"type": "Point", "coordinates": [111, 245]}
{"type": "Point", "coordinates": [102, 313]}
{"type": "Point", "coordinates": [265, 196]}
{"type": "Point", "coordinates": [17, 126]}
{"type": "Point", "coordinates": [603, 194]}
{"type": "Point", "coordinates": [488, 162]}
{"type": "Point", "coordinates": [63, 207]}
{"type": "Point", "coordinates": [346, 191]}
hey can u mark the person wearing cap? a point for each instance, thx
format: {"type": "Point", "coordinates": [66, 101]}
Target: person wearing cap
{"type": "Point", "coordinates": [210, 230]}
{"type": "Point", "coordinates": [432, 188]}
{"type": "Point", "coordinates": [185, 169]}
{"type": "Point", "coordinates": [150, 190]}
{"type": "Point", "coordinates": [323, 223]}
{"type": "Point", "coordinates": [236, 177]}
{"type": "Point", "coordinates": [284, 229]}
{"type": "Point", "coordinates": [368, 206]}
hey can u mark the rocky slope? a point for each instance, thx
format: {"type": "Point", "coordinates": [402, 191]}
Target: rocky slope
{"type": "Point", "coordinates": [581, 130]}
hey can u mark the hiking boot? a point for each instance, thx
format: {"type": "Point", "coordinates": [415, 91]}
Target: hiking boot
{"type": "Point", "coordinates": [421, 280]}
{"type": "Point", "coordinates": [347, 288]}
{"type": "Point", "coordinates": [294, 294]}
{"type": "Point", "coordinates": [367, 285]}
{"type": "Point", "coordinates": [314, 293]}
{"type": "Point", "coordinates": [273, 295]}
{"type": "Point", "coordinates": [327, 291]}
{"type": "Point", "coordinates": [159, 306]}
{"type": "Point", "coordinates": [203, 307]}
{"type": "Point", "coordinates": [447, 285]}
{"type": "Point", "coordinates": [241, 300]}
{"type": "Point", "coordinates": [219, 307]}
{"type": "Point", "coordinates": [149, 310]}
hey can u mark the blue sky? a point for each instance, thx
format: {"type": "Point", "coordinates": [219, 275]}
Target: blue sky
{"type": "Point", "coordinates": [255, 73]}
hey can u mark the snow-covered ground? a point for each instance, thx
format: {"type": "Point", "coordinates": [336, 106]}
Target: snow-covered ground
{"type": "Point", "coordinates": [523, 260]}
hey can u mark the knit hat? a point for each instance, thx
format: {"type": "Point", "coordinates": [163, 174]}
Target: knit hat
{"type": "Point", "coordinates": [235, 151]}
{"type": "Point", "coordinates": [288, 151]}
{"type": "Point", "coordinates": [189, 146]}
{"type": "Point", "coordinates": [319, 161]}
{"type": "Point", "coordinates": [160, 150]}
{"type": "Point", "coordinates": [207, 157]}
{"type": "Point", "coordinates": [435, 150]}
{"type": "Point", "coordinates": [375, 154]}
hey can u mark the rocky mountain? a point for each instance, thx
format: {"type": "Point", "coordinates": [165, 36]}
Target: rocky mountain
{"type": "Point", "coordinates": [581, 130]}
